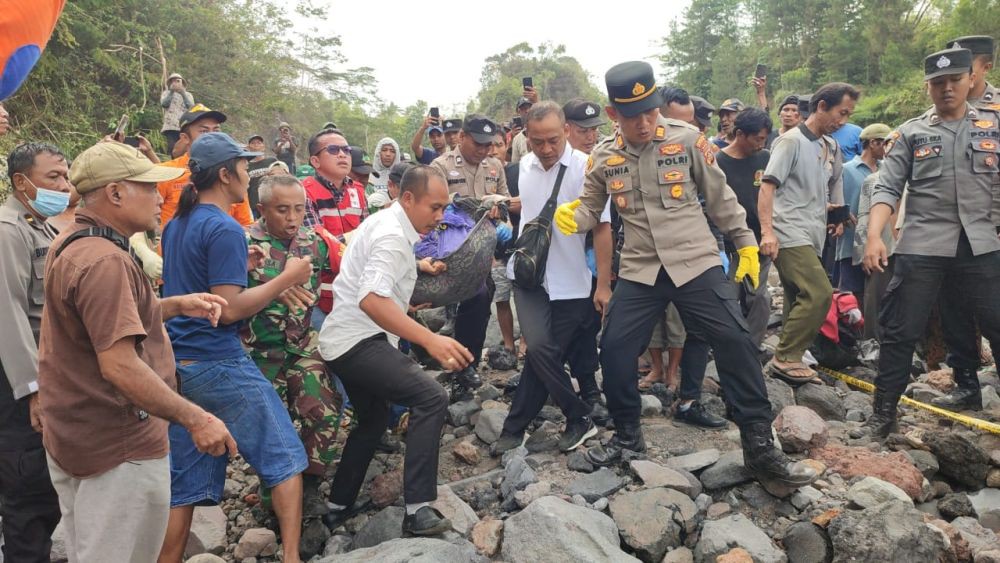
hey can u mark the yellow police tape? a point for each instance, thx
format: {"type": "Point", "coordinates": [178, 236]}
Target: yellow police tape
{"type": "Point", "coordinates": [974, 423]}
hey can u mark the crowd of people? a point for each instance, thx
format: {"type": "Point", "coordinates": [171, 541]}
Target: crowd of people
{"type": "Point", "coordinates": [165, 317]}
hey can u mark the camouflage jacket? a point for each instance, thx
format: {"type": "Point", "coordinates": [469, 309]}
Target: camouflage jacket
{"type": "Point", "coordinates": [275, 328]}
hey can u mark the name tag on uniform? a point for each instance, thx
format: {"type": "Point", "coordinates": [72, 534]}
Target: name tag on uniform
{"type": "Point", "coordinates": [355, 200]}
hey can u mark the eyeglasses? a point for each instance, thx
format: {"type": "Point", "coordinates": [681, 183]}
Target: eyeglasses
{"type": "Point", "coordinates": [335, 150]}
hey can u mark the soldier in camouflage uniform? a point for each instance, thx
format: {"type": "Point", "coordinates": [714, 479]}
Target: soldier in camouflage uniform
{"type": "Point", "coordinates": [280, 338]}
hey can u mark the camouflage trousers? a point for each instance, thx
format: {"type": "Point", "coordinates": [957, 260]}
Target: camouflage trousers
{"type": "Point", "coordinates": [314, 403]}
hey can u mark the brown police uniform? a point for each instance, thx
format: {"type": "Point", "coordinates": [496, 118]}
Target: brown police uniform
{"type": "Point", "coordinates": [467, 179]}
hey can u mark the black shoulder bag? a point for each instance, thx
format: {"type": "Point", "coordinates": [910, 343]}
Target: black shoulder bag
{"type": "Point", "coordinates": [531, 251]}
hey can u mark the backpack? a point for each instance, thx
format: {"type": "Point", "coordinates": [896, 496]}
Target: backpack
{"type": "Point", "coordinates": [531, 251]}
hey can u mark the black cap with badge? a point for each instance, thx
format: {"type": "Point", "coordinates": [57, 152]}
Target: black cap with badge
{"type": "Point", "coordinates": [482, 129]}
{"type": "Point", "coordinates": [702, 111]}
{"type": "Point", "coordinates": [978, 44]}
{"type": "Point", "coordinates": [583, 113]}
{"type": "Point", "coordinates": [949, 61]}
{"type": "Point", "coordinates": [632, 88]}
{"type": "Point", "coordinates": [358, 164]}
{"type": "Point", "coordinates": [451, 125]}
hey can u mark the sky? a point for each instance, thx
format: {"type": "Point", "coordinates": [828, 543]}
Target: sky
{"type": "Point", "coordinates": [400, 50]}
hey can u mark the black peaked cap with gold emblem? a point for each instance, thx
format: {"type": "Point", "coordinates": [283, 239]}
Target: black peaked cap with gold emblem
{"type": "Point", "coordinates": [632, 88]}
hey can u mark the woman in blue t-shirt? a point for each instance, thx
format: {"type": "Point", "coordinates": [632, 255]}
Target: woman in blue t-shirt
{"type": "Point", "coordinates": [205, 248]}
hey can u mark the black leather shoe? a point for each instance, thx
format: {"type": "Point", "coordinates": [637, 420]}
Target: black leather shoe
{"type": "Point", "coordinates": [577, 432]}
{"type": "Point", "coordinates": [628, 436]}
{"type": "Point", "coordinates": [336, 518]}
{"type": "Point", "coordinates": [697, 415]}
{"type": "Point", "coordinates": [882, 422]}
{"type": "Point", "coordinates": [966, 396]}
{"type": "Point", "coordinates": [426, 522]}
{"type": "Point", "coordinates": [769, 465]}
{"type": "Point", "coordinates": [506, 442]}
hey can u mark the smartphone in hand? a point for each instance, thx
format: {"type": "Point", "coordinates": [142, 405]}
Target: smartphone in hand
{"type": "Point", "coordinates": [760, 71]}
{"type": "Point", "coordinates": [436, 114]}
{"type": "Point", "coordinates": [527, 82]}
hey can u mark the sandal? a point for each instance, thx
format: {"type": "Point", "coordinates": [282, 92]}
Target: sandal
{"type": "Point", "coordinates": [796, 373]}
{"type": "Point", "coordinates": [645, 384]}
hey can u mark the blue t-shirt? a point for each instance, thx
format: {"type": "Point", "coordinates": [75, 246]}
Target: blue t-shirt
{"type": "Point", "coordinates": [849, 139]}
{"type": "Point", "coordinates": [205, 248]}
{"type": "Point", "coordinates": [428, 155]}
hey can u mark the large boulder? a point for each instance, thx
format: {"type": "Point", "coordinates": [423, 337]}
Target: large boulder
{"type": "Point", "coordinates": [852, 462]}
{"type": "Point", "coordinates": [490, 424]}
{"type": "Point", "coordinates": [409, 550]}
{"type": "Point", "coordinates": [654, 475]}
{"type": "Point", "coordinates": [555, 531]}
{"type": "Point", "coordinates": [891, 531]}
{"type": "Point", "coordinates": [385, 525]}
{"type": "Point", "coordinates": [979, 538]}
{"type": "Point", "coordinates": [806, 542]}
{"type": "Point", "coordinates": [823, 400]}
{"type": "Point", "coordinates": [800, 429]}
{"type": "Point", "coordinates": [727, 472]}
{"type": "Point", "coordinates": [208, 531]}
{"type": "Point", "coordinates": [653, 520]}
{"type": "Point", "coordinates": [959, 458]}
{"type": "Point", "coordinates": [720, 536]}
{"type": "Point", "coordinates": [462, 517]}
{"type": "Point", "coordinates": [694, 462]}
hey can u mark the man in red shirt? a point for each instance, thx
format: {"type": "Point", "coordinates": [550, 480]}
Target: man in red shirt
{"type": "Point", "coordinates": [334, 201]}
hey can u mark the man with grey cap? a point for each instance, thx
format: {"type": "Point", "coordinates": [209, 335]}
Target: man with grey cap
{"type": "Point", "coordinates": [176, 101]}
{"type": "Point", "coordinates": [519, 144]}
{"type": "Point", "coordinates": [947, 161]}
{"type": "Point", "coordinates": [285, 145]}
{"type": "Point", "coordinates": [106, 367]}
{"type": "Point", "coordinates": [727, 116]}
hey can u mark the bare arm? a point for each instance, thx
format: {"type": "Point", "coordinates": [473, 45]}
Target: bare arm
{"type": "Point", "coordinates": [603, 253]}
{"type": "Point", "coordinates": [390, 317]}
{"type": "Point", "coordinates": [418, 138]}
{"type": "Point", "coordinates": [245, 303]}
{"type": "Point", "coordinates": [765, 211]}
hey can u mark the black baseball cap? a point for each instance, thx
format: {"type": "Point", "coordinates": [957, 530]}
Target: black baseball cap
{"type": "Point", "coordinates": [583, 113]}
{"type": "Point", "coordinates": [789, 99]}
{"type": "Point", "coordinates": [199, 111]}
{"type": "Point", "coordinates": [215, 148]}
{"type": "Point", "coordinates": [482, 128]}
{"type": "Point", "coordinates": [949, 61]}
{"type": "Point", "coordinates": [702, 111]}
{"type": "Point", "coordinates": [358, 164]}
{"type": "Point", "coordinates": [524, 101]}
{"type": "Point", "coordinates": [978, 44]}
{"type": "Point", "coordinates": [632, 88]}
{"type": "Point", "coordinates": [397, 171]}
{"type": "Point", "coordinates": [452, 125]}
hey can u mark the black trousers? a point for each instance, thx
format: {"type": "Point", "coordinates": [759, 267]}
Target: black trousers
{"type": "Point", "coordinates": [548, 328]}
{"type": "Point", "coordinates": [582, 354]}
{"type": "Point", "coordinates": [875, 286]}
{"type": "Point", "coordinates": [29, 505]}
{"type": "Point", "coordinates": [471, 322]}
{"type": "Point", "coordinates": [916, 283]}
{"type": "Point", "coordinates": [375, 373]}
{"type": "Point", "coordinates": [709, 307]}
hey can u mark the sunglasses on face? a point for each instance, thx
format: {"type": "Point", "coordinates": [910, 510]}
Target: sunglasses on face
{"type": "Point", "coordinates": [335, 150]}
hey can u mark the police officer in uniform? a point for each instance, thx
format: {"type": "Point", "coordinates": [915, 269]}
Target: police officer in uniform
{"type": "Point", "coordinates": [983, 49]}
{"type": "Point", "coordinates": [653, 171]}
{"type": "Point", "coordinates": [947, 158]}
{"type": "Point", "coordinates": [472, 172]}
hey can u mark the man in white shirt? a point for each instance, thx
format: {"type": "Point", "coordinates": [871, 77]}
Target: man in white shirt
{"type": "Point", "coordinates": [358, 341]}
{"type": "Point", "coordinates": [552, 314]}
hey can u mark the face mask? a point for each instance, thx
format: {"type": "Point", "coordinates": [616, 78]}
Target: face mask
{"type": "Point", "coordinates": [49, 203]}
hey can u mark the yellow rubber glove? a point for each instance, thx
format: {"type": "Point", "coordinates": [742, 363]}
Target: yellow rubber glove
{"type": "Point", "coordinates": [749, 265]}
{"type": "Point", "coordinates": [152, 264]}
{"type": "Point", "coordinates": [564, 217]}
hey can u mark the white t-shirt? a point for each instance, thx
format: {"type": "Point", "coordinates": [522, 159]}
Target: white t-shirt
{"type": "Point", "coordinates": [566, 273]}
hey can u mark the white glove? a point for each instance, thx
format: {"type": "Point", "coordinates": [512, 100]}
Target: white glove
{"type": "Point", "coordinates": [152, 263]}
{"type": "Point", "coordinates": [378, 199]}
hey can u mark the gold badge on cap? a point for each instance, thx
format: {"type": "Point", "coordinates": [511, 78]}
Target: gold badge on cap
{"type": "Point", "coordinates": [616, 185]}
{"type": "Point", "coordinates": [614, 160]}
{"type": "Point", "coordinates": [639, 89]}
{"type": "Point", "coordinates": [676, 191]}
{"type": "Point", "coordinates": [668, 150]}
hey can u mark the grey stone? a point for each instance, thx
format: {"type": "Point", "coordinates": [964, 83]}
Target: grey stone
{"type": "Point", "coordinates": [232, 489]}
{"type": "Point", "coordinates": [991, 401]}
{"type": "Point", "coordinates": [987, 505]}
{"type": "Point", "coordinates": [577, 461]}
{"type": "Point", "coordinates": [891, 531]}
{"type": "Point", "coordinates": [823, 400]}
{"type": "Point", "coordinates": [533, 492]}
{"type": "Point", "coordinates": [313, 540]}
{"type": "Point", "coordinates": [779, 393]}
{"type": "Point", "coordinates": [651, 521]}
{"type": "Point", "coordinates": [490, 424]}
{"type": "Point", "coordinates": [726, 472]}
{"type": "Point", "coordinates": [601, 483]}
{"type": "Point", "coordinates": [385, 525]}
{"type": "Point", "coordinates": [800, 429]}
{"type": "Point", "coordinates": [208, 531]}
{"type": "Point", "coordinates": [409, 550]}
{"type": "Point", "coordinates": [979, 538]}
{"type": "Point", "coordinates": [200, 558]}
{"type": "Point", "coordinates": [694, 462]}
{"type": "Point", "coordinates": [959, 457]}
{"type": "Point", "coordinates": [555, 531]}
{"type": "Point", "coordinates": [718, 537]}
{"type": "Point", "coordinates": [517, 475]}
{"type": "Point", "coordinates": [460, 413]}
{"type": "Point", "coordinates": [489, 393]}
{"type": "Point", "coordinates": [925, 462]}
{"type": "Point", "coordinates": [679, 555]}
{"type": "Point", "coordinates": [871, 491]}
{"type": "Point", "coordinates": [257, 542]}
{"type": "Point", "coordinates": [337, 544]}
{"type": "Point", "coordinates": [805, 496]}
{"type": "Point", "coordinates": [462, 517]}
{"type": "Point", "coordinates": [806, 542]}
{"type": "Point", "coordinates": [601, 504]}
{"type": "Point", "coordinates": [651, 406]}
{"type": "Point", "coordinates": [655, 475]}
{"type": "Point", "coordinates": [955, 505]}
{"type": "Point", "coordinates": [508, 455]}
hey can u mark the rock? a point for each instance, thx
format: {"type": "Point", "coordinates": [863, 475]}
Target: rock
{"type": "Point", "coordinates": [517, 475]}
{"type": "Point", "coordinates": [991, 556]}
{"type": "Point", "coordinates": [508, 455]}
{"type": "Point", "coordinates": [651, 406]}
{"type": "Point", "coordinates": [694, 462]}
{"type": "Point", "coordinates": [800, 429]}
{"type": "Point", "coordinates": [717, 510]}
{"type": "Point", "coordinates": [202, 558]}
{"type": "Point", "coordinates": [991, 401]}
{"type": "Point", "coordinates": [652, 520]}
{"type": "Point", "coordinates": [489, 393]}
{"type": "Point", "coordinates": [726, 472]}
{"type": "Point", "coordinates": [807, 543]}
{"type": "Point", "coordinates": [925, 462]}
{"type": "Point", "coordinates": [601, 483]}
{"type": "Point", "coordinates": [718, 537]}
{"type": "Point", "coordinates": [256, 542]}
{"type": "Point", "coordinates": [387, 488]}
{"type": "Point", "coordinates": [313, 539]}
{"type": "Point", "coordinates": [486, 536]}
{"type": "Point", "coordinates": [460, 413]}
{"type": "Point", "coordinates": [385, 525]}
{"type": "Point", "coordinates": [852, 462]}
{"type": "Point", "coordinates": [467, 453]}
{"type": "Point", "coordinates": [337, 544]}
{"type": "Point", "coordinates": [462, 517]}
{"type": "Point", "coordinates": [555, 531]}
{"type": "Point", "coordinates": [494, 406]}
{"type": "Point", "coordinates": [490, 424]}
{"type": "Point", "coordinates": [408, 550]}
{"type": "Point", "coordinates": [577, 461]}
{"type": "Point", "coordinates": [872, 491]}
{"type": "Point", "coordinates": [679, 555]}
{"type": "Point", "coordinates": [891, 531]}
{"type": "Point", "coordinates": [987, 505]}
{"type": "Point", "coordinates": [532, 492]}
{"type": "Point", "coordinates": [979, 538]}
{"type": "Point", "coordinates": [955, 505]}
{"type": "Point", "coordinates": [993, 478]}
{"type": "Point", "coordinates": [805, 496]}
{"type": "Point", "coordinates": [208, 531]}
{"type": "Point", "coordinates": [546, 437]}
{"type": "Point", "coordinates": [736, 555]}
{"type": "Point", "coordinates": [601, 504]}
{"type": "Point", "coordinates": [923, 392]}
{"type": "Point", "coordinates": [779, 393]}
{"type": "Point", "coordinates": [823, 400]}
{"type": "Point", "coordinates": [231, 489]}
{"type": "Point", "coordinates": [959, 547]}
{"type": "Point", "coordinates": [655, 475]}
{"type": "Point", "coordinates": [941, 380]}
{"type": "Point", "coordinates": [959, 457]}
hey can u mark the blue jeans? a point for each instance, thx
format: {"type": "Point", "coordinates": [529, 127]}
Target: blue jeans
{"type": "Point", "coordinates": [236, 392]}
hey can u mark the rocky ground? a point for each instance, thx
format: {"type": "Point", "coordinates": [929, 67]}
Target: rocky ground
{"type": "Point", "coordinates": [930, 493]}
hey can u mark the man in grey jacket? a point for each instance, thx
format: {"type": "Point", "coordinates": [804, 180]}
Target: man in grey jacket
{"type": "Point", "coordinates": [176, 101]}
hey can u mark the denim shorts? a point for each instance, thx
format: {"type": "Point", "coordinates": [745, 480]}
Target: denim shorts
{"type": "Point", "coordinates": [236, 392]}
